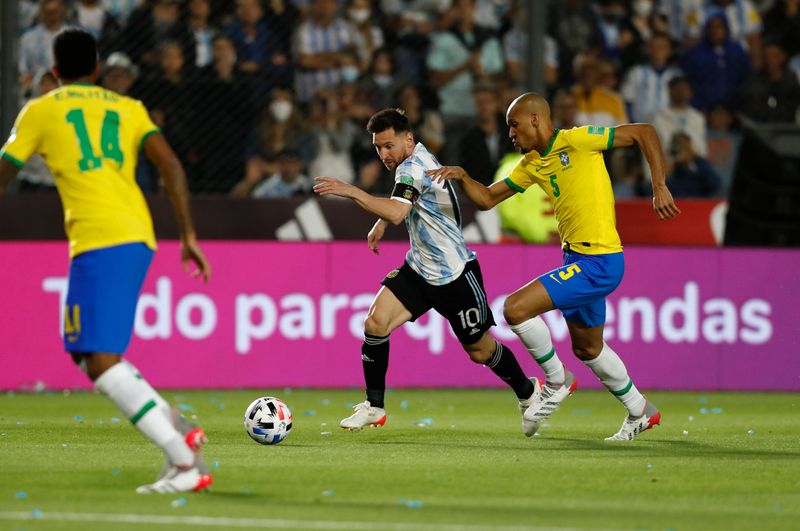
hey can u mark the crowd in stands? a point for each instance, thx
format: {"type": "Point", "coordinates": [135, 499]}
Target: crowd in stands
{"type": "Point", "coordinates": [258, 96]}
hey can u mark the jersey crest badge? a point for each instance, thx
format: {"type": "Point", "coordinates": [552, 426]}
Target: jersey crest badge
{"type": "Point", "coordinates": [564, 158]}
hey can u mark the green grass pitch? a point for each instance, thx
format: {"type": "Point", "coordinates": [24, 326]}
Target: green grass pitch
{"type": "Point", "coordinates": [446, 460]}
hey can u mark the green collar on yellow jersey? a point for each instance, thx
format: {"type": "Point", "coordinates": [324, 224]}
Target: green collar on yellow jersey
{"type": "Point", "coordinates": [550, 145]}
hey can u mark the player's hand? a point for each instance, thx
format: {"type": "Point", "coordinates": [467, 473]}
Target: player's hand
{"type": "Point", "coordinates": [375, 236]}
{"type": "Point", "coordinates": [190, 252]}
{"type": "Point", "coordinates": [331, 186]}
{"type": "Point", "coordinates": [664, 204]}
{"type": "Point", "coordinates": [447, 173]}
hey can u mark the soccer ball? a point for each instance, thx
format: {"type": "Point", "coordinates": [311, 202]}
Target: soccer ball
{"type": "Point", "coordinates": [268, 420]}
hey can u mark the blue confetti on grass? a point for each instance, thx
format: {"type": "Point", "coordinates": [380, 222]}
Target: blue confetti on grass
{"type": "Point", "coordinates": [327, 492]}
{"type": "Point", "coordinates": [703, 411]}
{"type": "Point", "coordinates": [180, 502]}
{"type": "Point", "coordinates": [79, 418]}
{"type": "Point", "coordinates": [116, 472]}
{"type": "Point", "coordinates": [309, 412]}
{"type": "Point", "coordinates": [325, 401]}
{"type": "Point", "coordinates": [349, 405]}
{"type": "Point", "coordinates": [215, 464]}
{"type": "Point", "coordinates": [717, 410]}
{"type": "Point", "coordinates": [413, 504]}
{"type": "Point", "coordinates": [247, 491]}
{"type": "Point", "coordinates": [21, 495]}
{"type": "Point", "coordinates": [421, 423]}
{"type": "Point", "coordinates": [36, 514]}
{"type": "Point", "coordinates": [702, 399]}
{"type": "Point", "coordinates": [185, 407]}
{"type": "Point", "coordinates": [404, 404]}
{"type": "Point", "coordinates": [751, 432]}
{"type": "Point", "coordinates": [114, 419]}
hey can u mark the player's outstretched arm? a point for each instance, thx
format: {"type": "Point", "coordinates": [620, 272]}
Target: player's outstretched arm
{"type": "Point", "coordinates": [485, 197]}
{"type": "Point", "coordinates": [390, 210]}
{"type": "Point", "coordinates": [171, 171]}
{"type": "Point", "coordinates": [7, 172]}
{"type": "Point", "coordinates": [645, 136]}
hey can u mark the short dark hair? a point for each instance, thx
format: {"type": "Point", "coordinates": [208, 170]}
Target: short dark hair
{"type": "Point", "coordinates": [75, 53]}
{"type": "Point", "coordinates": [388, 119]}
{"type": "Point", "coordinates": [678, 80]}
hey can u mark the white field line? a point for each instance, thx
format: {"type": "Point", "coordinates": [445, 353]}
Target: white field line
{"type": "Point", "coordinates": [258, 523]}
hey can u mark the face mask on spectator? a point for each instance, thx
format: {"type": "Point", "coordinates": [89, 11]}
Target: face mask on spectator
{"type": "Point", "coordinates": [349, 74]}
{"type": "Point", "coordinates": [280, 110]}
{"type": "Point", "coordinates": [382, 80]}
{"type": "Point", "coordinates": [359, 15]}
{"type": "Point", "coordinates": [643, 7]}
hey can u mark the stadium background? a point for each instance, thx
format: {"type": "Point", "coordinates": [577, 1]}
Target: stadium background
{"type": "Point", "coordinates": [259, 97]}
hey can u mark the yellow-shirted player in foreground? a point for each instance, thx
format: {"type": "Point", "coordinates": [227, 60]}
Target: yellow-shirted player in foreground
{"type": "Point", "coordinates": [90, 137]}
{"type": "Point", "coordinates": [568, 165]}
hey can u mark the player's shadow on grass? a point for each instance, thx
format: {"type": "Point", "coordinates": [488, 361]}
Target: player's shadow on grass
{"type": "Point", "coordinates": [653, 446]}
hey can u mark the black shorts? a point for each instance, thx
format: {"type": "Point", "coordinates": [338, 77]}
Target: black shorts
{"type": "Point", "coordinates": [462, 301]}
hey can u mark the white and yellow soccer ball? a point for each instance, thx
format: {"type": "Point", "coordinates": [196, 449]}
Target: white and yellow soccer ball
{"type": "Point", "coordinates": [268, 420]}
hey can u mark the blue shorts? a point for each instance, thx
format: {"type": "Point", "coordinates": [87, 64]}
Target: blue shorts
{"type": "Point", "coordinates": [104, 287]}
{"type": "Point", "coordinates": [579, 287]}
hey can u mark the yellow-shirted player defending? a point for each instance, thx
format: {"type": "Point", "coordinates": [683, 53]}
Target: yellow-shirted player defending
{"type": "Point", "coordinates": [90, 138]}
{"type": "Point", "coordinates": [568, 165]}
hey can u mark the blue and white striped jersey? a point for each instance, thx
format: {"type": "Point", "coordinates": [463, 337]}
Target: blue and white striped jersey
{"type": "Point", "coordinates": [438, 252]}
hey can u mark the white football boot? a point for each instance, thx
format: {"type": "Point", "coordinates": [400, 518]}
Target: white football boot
{"type": "Point", "coordinates": [529, 428]}
{"type": "Point", "coordinates": [631, 427]}
{"type": "Point", "coordinates": [177, 480]}
{"type": "Point", "coordinates": [364, 415]}
{"type": "Point", "coordinates": [548, 402]}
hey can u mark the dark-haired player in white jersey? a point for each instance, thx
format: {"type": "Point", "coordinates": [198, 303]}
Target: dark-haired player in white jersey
{"type": "Point", "coordinates": [439, 272]}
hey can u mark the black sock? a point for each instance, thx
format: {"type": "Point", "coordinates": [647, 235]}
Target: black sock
{"type": "Point", "coordinates": [375, 360]}
{"type": "Point", "coordinates": [504, 364]}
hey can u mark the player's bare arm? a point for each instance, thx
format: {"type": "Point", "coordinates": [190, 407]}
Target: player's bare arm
{"type": "Point", "coordinates": [485, 197]}
{"type": "Point", "coordinates": [391, 210]}
{"type": "Point", "coordinates": [375, 235]}
{"type": "Point", "coordinates": [7, 172]}
{"type": "Point", "coordinates": [645, 136]}
{"type": "Point", "coordinates": [169, 167]}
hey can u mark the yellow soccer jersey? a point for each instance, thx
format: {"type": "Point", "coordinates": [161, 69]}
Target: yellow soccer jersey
{"type": "Point", "coordinates": [90, 138]}
{"type": "Point", "coordinates": [572, 172]}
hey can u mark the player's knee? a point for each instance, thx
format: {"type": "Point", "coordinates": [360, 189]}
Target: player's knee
{"type": "Point", "coordinates": [375, 325]}
{"type": "Point", "coordinates": [515, 312]}
{"type": "Point", "coordinates": [586, 352]}
{"type": "Point", "coordinates": [479, 355]}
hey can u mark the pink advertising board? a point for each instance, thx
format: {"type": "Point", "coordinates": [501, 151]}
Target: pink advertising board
{"type": "Point", "coordinates": [290, 314]}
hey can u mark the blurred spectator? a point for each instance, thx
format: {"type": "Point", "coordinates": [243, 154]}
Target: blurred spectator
{"type": "Point", "coordinates": [596, 104]}
{"type": "Point", "coordinates": [621, 42]}
{"type": "Point", "coordinates": [36, 44]}
{"type": "Point", "coordinates": [225, 93]}
{"type": "Point", "coordinates": [121, 9]}
{"type": "Point", "coordinates": [282, 18]}
{"type": "Point", "coordinates": [682, 19]}
{"type": "Point", "coordinates": [689, 174]}
{"type": "Point", "coordinates": [368, 34]}
{"type": "Point", "coordinates": [515, 50]}
{"type": "Point", "coordinates": [119, 73]}
{"type": "Point", "coordinates": [680, 117]}
{"type": "Point", "coordinates": [773, 94]}
{"type": "Point", "coordinates": [330, 138]}
{"type": "Point", "coordinates": [575, 30]}
{"type": "Point", "coordinates": [426, 123]}
{"type": "Point", "coordinates": [281, 126]}
{"type": "Point", "coordinates": [379, 85]}
{"type": "Point", "coordinates": [202, 30]}
{"type": "Point", "coordinates": [319, 46]}
{"type": "Point", "coordinates": [457, 59]}
{"type": "Point", "coordinates": [287, 181]}
{"type": "Point", "coordinates": [644, 18]}
{"type": "Point", "coordinates": [92, 16]}
{"type": "Point", "coordinates": [743, 20]}
{"type": "Point", "coordinates": [493, 14]}
{"type": "Point", "coordinates": [607, 75]}
{"type": "Point", "coordinates": [645, 88]}
{"type": "Point", "coordinates": [723, 145]}
{"type": "Point", "coordinates": [409, 25]}
{"type": "Point", "coordinates": [486, 142]}
{"type": "Point", "coordinates": [565, 110]}
{"type": "Point", "coordinates": [28, 9]}
{"type": "Point", "coordinates": [716, 66]}
{"type": "Point", "coordinates": [35, 176]}
{"type": "Point", "coordinates": [150, 25]}
{"type": "Point", "coordinates": [782, 25]}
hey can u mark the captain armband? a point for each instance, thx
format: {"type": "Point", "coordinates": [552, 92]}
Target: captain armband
{"type": "Point", "coordinates": [405, 192]}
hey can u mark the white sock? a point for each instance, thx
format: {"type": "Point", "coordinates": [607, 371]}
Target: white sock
{"type": "Point", "coordinates": [162, 404]}
{"type": "Point", "coordinates": [536, 337]}
{"type": "Point", "coordinates": [135, 398]}
{"type": "Point", "coordinates": [612, 373]}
